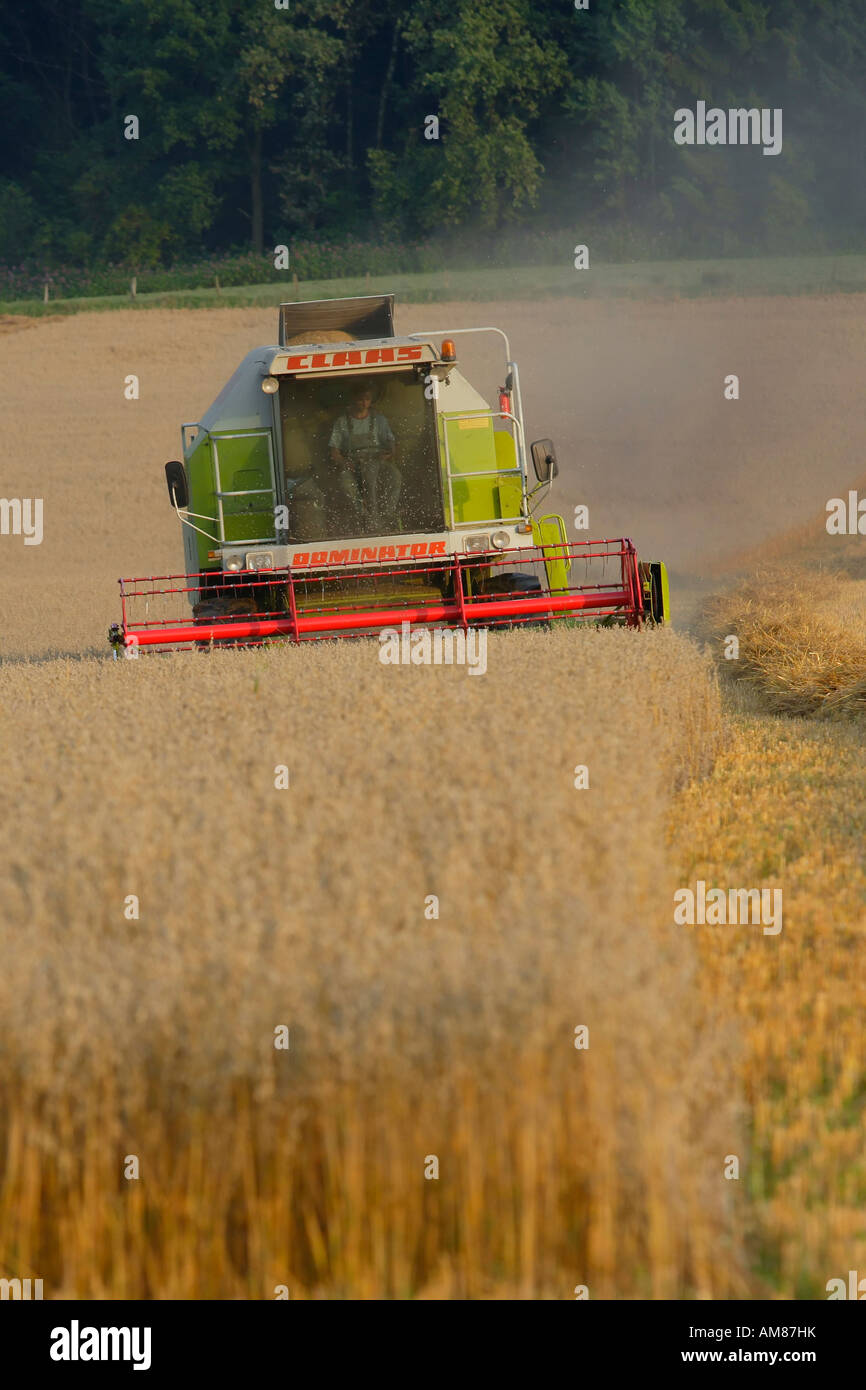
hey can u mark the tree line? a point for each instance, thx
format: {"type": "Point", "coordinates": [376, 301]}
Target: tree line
{"type": "Point", "coordinates": [258, 121]}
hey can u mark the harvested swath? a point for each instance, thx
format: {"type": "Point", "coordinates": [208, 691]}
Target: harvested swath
{"type": "Point", "coordinates": [784, 807]}
{"type": "Point", "coordinates": [799, 648]}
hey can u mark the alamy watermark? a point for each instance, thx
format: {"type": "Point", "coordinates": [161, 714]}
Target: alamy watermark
{"type": "Point", "coordinates": [76, 1343]}
{"type": "Point", "coordinates": [718, 907]}
{"type": "Point", "coordinates": [22, 516]}
{"type": "Point", "coordinates": [437, 647]}
{"type": "Point", "coordinates": [856, 1287]}
{"type": "Point", "coordinates": [737, 126]}
{"type": "Point", "coordinates": [20, 1289]}
{"type": "Point", "coordinates": [846, 518]}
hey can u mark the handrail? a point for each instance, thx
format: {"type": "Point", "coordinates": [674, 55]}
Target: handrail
{"type": "Point", "coordinates": [447, 419]}
{"type": "Point", "coordinates": [219, 493]}
{"type": "Point", "coordinates": [554, 516]}
{"type": "Point", "coordinates": [452, 333]}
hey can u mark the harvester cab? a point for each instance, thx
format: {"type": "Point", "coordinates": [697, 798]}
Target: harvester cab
{"type": "Point", "coordinates": [349, 479]}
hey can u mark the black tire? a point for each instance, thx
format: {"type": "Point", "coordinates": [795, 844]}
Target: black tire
{"type": "Point", "coordinates": [657, 606]}
{"type": "Point", "coordinates": [509, 584]}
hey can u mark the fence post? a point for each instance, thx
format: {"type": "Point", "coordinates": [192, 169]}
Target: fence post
{"type": "Point", "coordinates": [45, 293]}
{"type": "Point", "coordinates": [132, 286]}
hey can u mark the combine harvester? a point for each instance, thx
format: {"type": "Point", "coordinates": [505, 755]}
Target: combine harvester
{"type": "Point", "coordinates": [349, 480]}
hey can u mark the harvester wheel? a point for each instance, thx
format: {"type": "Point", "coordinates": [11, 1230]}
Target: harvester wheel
{"type": "Point", "coordinates": [509, 584]}
{"type": "Point", "coordinates": [659, 602]}
{"type": "Point", "coordinates": [656, 595]}
{"type": "Point", "coordinates": [221, 609]}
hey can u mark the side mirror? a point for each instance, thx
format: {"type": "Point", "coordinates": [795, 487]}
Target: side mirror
{"type": "Point", "coordinates": [544, 460]}
{"type": "Point", "coordinates": [178, 488]}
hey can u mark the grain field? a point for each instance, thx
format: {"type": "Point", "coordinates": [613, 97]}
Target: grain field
{"type": "Point", "coordinates": [299, 949]}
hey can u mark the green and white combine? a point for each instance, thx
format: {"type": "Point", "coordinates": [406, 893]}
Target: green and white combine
{"type": "Point", "coordinates": [347, 480]}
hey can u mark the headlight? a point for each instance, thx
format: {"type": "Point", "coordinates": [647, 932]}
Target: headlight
{"type": "Point", "coordinates": [476, 544]}
{"type": "Point", "coordinates": [501, 539]}
{"type": "Point", "coordinates": [260, 560]}
{"type": "Point", "coordinates": [270, 385]}
{"type": "Point", "coordinates": [233, 564]}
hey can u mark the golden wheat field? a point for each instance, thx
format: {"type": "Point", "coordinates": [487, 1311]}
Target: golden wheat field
{"type": "Point", "coordinates": [168, 908]}
{"type": "Point", "coordinates": [409, 1036]}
